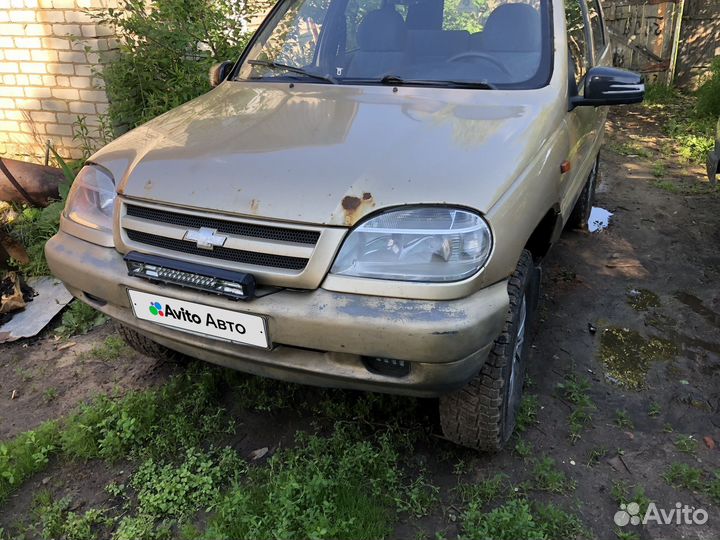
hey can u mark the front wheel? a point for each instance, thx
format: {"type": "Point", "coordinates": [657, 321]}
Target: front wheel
{"type": "Point", "coordinates": [483, 414]}
{"type": "Point", "coordinates": [580, 215]}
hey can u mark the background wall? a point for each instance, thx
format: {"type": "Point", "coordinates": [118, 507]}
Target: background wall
{"type": "Point", "coordinates": [47, 77]}
{"type": "Point", "coordinates": [699, 41]}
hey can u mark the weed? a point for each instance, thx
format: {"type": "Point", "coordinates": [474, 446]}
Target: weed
{"type": "Point", "coordinates": [659, 94]}
{"type": "Point", "coordinates": [50, 394]}
{"type": "Point", "coordinates": [631, 149]}
{"type": "Point", "coordinates": [528, 412]}
{"type": "Point", "coordinates": [686, 444]}
{"type": "Point", "coordinates": [181, 414]}
{"type": "Point", "coordinates": [79, 318]}
{"type": "Point", "coordinates": [708, 104]}
{"type": "Point", "coordinates": [517, 518]}
{"type": "Point", "coordinates": [523, 448]}
{"type": "Point", "coordinates": [111, 349]}
{"type": "Point", "coordinates": [654, 409]}
{"type": "Point", "coordinates": [622, 420]}
{"type": "Point", "coordinates": [626, 535]}
{"type": "Point", "coordinates": [713, 487]}
{"type": "Point", "coordinates": [623, 493]}
{"type": "Point", "coordinates": [659, 169]}
{"type": "Point", "coordinates": [596, 455]}
{"type": "Point", "coordinates": [342, 486]}
{"type": "Point", "coordinates": [682, 475]}
{"type": "Point", "coordinates": [575, 390]}
{"type": "Point", "coordinates": [547, 477]}
{"type": "Point", "coordinates": [485, 491]}
{"type": "Point", "coordinates": [25, 455]}
{"type": "Point", "coordinates": [55, 521]}
{"type": "Point", "coordinates": [667, 428]}
{"type": "Point", "coordinates": [460, 467]}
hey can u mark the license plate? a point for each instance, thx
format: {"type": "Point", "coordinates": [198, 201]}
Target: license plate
{"type": "Point", "coordinates": [200, 319]}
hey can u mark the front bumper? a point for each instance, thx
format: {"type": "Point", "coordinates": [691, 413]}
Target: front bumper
{"type": "Point", "coordinates": [318, 337]}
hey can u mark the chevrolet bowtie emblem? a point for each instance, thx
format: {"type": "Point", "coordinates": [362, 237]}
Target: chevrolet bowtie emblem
{"type": "Point", "coordinates": [205, 238]}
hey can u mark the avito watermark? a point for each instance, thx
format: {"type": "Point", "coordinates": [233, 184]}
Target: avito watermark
{"type": "Point", "coordinates": [682, 514]}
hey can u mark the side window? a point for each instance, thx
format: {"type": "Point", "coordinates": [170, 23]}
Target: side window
{"type": "Point", "coordinates": [596, 25]}
{"type": "Point", "coordinates": [577, 38]}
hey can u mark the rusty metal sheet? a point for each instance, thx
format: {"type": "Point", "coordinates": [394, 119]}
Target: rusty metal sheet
{"type": "Point", "coordinates": [52, 297]}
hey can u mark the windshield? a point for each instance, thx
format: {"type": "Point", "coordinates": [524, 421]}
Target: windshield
{"type": "Point", "coordinates": [485, 43]}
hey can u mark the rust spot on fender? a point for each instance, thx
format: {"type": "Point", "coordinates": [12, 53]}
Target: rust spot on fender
{"type": "Point", "coordinates": [254, 206]}
{"type": "Point", "coordinates": [356, 207]}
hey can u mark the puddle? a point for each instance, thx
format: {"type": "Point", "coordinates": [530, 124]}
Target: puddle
{"type": "Point", "coordinates": [599, 219]}
{"type": "Point", "coordinates": [642, 299]}
{"type": "Point", "coordinates": [627, 355]}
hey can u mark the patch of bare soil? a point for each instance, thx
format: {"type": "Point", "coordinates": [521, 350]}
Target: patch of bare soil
{"type": "Point", "coordinates": [45, 378]}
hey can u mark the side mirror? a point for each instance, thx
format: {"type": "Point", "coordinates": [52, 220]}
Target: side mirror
{"type": "Point", "coordinates": [611, 86]}
{"type": "Point", "coordinates": [220, 72]}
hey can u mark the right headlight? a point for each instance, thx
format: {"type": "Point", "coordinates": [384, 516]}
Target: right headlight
{"type": "Point", "coordinates": [91, 199]}
{"type": "Point", "coordinates": [432, 244]}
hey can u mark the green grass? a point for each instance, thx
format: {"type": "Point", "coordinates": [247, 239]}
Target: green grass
{"type": "Point", "coordinates": [111, 349]}
{"type": "Point", "coordinates": [341, 486]}
{"type": "Point", "coordinates": [575, 389]}
{"type": "Point", "coordinates": [686, 444]}
{"type": "Point", "coordinates": [547, 477]}
{"type": "Point", "coordinates": [682, 475]}
{"type": "Point", "coordinates": [485, 491]}
{"type": "Point", "coordinates": [654, 409]}
{"type": "Point", "coordinates": [596, 454]}
{"type": "Point", "coordinates": [55, 520]}
{"type": "Point", "coordinates": [624, 493]}
{"type": "Point", "coordinates": [631, 149]}
{"type": "Point", "coordinates": [519, 518]}
{"type": "Point", "coordinates": [78, 319]}
{"type": "Point", "coordinates": [659, 94]}
{"type": "Point", "coordinates": [528, 412]}
{"type": "Point", "coordinates": [523, 448]}
{"type": "Point", "coordinates": [25, 455]}
{"type": "Point", "coordinates": [622, 420]}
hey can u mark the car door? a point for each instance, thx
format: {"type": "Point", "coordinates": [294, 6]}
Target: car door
{"type": "Point", "coordinates": [584, 123]}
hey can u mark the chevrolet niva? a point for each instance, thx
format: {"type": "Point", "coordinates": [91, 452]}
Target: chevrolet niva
{"type": "Point", "coordinates": [363, 200]}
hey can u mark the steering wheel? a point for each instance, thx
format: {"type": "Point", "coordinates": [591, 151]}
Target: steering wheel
{"type": "Point", "coordinates": [483, 56]}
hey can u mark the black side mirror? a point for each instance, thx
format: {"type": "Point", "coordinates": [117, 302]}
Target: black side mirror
{"type": "Point", "coordinates": [220, 72]}
{"type": "Point", "coordinates": [611, 86]}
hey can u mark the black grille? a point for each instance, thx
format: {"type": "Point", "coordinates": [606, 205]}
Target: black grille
{"type": "Point", "coordinates": [230, 227]}
{"type": "Point", "coordinates": [226, 254]}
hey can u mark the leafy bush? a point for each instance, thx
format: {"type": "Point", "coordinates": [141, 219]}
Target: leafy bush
{"type": "Point", "coordinates": [166, 49]}
{"type": "Point", "coordinates": [709, 93]}
{"type": "Point", "coordinates": [79, 319]}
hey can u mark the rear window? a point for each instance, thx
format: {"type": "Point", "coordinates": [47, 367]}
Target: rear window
{"type": "Point", "coordinates": [498, 43]}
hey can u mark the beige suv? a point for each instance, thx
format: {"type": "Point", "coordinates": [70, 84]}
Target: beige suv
{"type": "Point", "coordinates": [362, 202]}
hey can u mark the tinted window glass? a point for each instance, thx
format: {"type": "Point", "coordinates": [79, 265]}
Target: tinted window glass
{"type": "Point", "coordinates": [596, 26]}
{"type": "Point", "coordinates": [497, 42]}
{"type": "Point", "coordinates": [577, 38]}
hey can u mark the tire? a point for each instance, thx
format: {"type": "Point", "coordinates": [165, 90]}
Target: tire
{"type": "Point", "coordinates": [482, 414]}
{"type": "Point", "coordinates": [147, 346]}
{"type": "Point", "coordinates": [581, 212]}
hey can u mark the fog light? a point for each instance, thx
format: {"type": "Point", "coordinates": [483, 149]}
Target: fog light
{"type": "Point", "coordinates": [386, 366]}
{"type": "Point", "coordinates": [233, 285]}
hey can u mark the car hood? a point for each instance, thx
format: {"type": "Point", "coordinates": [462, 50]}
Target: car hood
{"type": "Point", "coordinates": [325, 154]}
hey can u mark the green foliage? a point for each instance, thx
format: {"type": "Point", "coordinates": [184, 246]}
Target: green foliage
{"type": "Point", "coordinates": [547, 477]}
{"type": "Point", "coordinates": [682, 475]}
{"type": "Point", "coordinates": [694, 136]}
{"type": "Point", "coordinates": [486, 491]}
{"type": "Point", "coordinates": [342, 486]}
{"type": "Point", "coordinates": [166, 50]}
{"type": "Point", "coordinates": [518, 518]}
{"type": "Point", "coordinates": [528, 412]}
{"type": "Point", "coordinates": [181, 414]}
{"type": "Point", "coordinates": [623, 493]}
{"type": "Point", "coordinates": [623, 420]}
{"type": "Point", "coordinates": [686, 444]}
{"type": "Point", "coordinates": [56, 521]}
{"type": "Point", "coordinates": [111, 349]}
{"type": "Point", "coordinates": [659, 93]}
{"type": "Point", "coordinates": [575, 390]}
{"type": "Point", "coordinates": [709, 93]}
{"type": "Point", "coordinates": [78, 319]}
{"type": "Point", "coordinates": [25, 455]}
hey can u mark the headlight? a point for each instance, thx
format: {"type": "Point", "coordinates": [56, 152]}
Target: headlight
{"type": "Point", "coordinates": [418, 244]}
{"type": "Point", "coordinates": [91, 199]}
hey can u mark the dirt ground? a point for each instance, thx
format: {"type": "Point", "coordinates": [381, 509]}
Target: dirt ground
{"type": "Point", "coordinates": [634, 307]}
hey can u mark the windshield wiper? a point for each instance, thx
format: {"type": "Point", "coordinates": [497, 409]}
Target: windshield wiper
{"type": "Point", "coordinates": [394, 80]}
{"type": "Point", "coordinates": [292, 69]}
